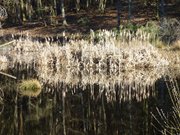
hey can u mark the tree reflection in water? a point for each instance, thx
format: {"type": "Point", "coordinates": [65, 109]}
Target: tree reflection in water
{"type": "Point", "coordinates": [87, 103]}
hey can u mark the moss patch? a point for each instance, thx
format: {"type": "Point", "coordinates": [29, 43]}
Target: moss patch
{"type": "Point", "coordinates": [30, 88]}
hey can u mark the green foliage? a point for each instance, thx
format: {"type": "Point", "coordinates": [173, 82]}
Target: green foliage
{"type": "Point", "coordinates": [151, 27]}
{"type": "Point", "coordinates": [131, 27]}
{"type": "Point", "coordinates": [83, 21]}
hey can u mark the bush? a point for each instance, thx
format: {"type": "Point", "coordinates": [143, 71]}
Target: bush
{"type": "Point", "coordinates": [169, 30]}
{"type": "Point", "coordinates": [83, 21]}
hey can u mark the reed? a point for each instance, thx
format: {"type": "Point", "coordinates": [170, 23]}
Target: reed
{"type": "Point", "coordinates": [3, 63]}
{"type": "Point", "coordinates": [170, 122]}
{"type": "Point", "coordinates": [124, 52]}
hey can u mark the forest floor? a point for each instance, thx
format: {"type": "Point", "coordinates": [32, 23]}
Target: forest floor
{"type": "Point", "coordinates": [83, 21]}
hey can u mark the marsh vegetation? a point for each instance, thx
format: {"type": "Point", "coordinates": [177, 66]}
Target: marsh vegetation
{"type": "Point", "coordinates": [89, 85]}
{"type": "Point", "coordinates": [67, 68]}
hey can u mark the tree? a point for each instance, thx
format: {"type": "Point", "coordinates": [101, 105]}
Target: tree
{"type": "Point", "coordinates": [129, 9]}
{"type": "Point", "coordinates": [118, 13]}
{"type": "Point", "coordinates": [3, 15]}
{"type": "Point", "coordinates": [63, 13]}
{"type": "Point", "coordinates": [22, 11]}
{"type": "Point", "coordinates": [102, 5]}
{"type": "Point", "coordinates": [162, 13]}
{"type": "Point", "coordinates": [39, 9]}
{"type": "Point", "coordinates": [77, 5]}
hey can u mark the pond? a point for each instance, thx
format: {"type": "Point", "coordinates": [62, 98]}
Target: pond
{"type": "Point", "coordinates": [107, 87]}
{"type": "Point", "coordinates": [84, 102]}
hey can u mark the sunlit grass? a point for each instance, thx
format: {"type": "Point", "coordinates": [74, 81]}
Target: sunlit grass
{"type": "Point", "coordinates": [3, 63]}
{"type": "Point", "coordinates": [127, 51]}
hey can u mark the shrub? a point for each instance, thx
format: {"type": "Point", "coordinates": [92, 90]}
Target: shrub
{"type": "Point", "coordinates": [83, 21]}
{"type": "Point", "coordinates": [169, 30]}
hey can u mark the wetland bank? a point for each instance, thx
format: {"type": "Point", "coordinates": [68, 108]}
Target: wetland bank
{"type": "Point", "coordinates": [106, 85]}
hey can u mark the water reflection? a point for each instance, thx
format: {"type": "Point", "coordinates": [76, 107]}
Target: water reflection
{"type": "Point", "coordinates": [75, 102]}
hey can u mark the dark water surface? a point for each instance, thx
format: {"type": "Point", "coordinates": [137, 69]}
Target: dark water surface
{"type": "Point", "coordinates": [74, 108]}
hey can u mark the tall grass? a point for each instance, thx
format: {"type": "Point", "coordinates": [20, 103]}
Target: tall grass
{"type": "Point", "coordinates": [122, 52]}
{"type": "Point", "coordinates": [170, 123]}
{"type": "Point", "coordinates": [3, 62]}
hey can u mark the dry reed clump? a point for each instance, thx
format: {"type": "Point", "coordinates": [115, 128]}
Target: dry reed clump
{"type": "Point", "coordinates": [173, 57]}
{"type": "Point", "coordinates": [25, 45]}
{"type": "Point", "coordinates": [109, 52]}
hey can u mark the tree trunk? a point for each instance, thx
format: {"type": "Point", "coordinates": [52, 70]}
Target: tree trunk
{"type": "Point", "coordinates": [118, 14]}
{"type": "Point", "coordinates": [23, 17]}
{"type": "Point", "coordinates": [162, 13]}
{"type": "Point", "coordinates": [87, 3]}
{"type": "Point", "coordinates": [129, 10]}
{"type": "Point", "coordinates": [157, 9]}
{"type": "Point", "coordinates": [55, 11]}
{"type": "Point", "coordinates": [39, 9]}
{"type": "Point", "coordinates": [29, 10]}
{"type": "Point", "coordinates": [63, 13]}
{"type": "Point", "coordinates": [102, 5]}
{"type": "Point", "coordinates": [18, 12]}
{"type": "Point", "coordinates": [77, 5]}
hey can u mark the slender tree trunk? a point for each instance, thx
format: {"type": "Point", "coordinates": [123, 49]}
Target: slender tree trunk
{"type": "Point", "coordinates": [18, 12]}
{"type": "Point", "coordinates": [29, 10]}
{"type": "Point", "coordinates": [118, 14]}
{"type": "Point", "coordinates": [39, 9]}
{"type": "Point", "coordinates": [129, 10]}
{"type": "Point", "coordinates": [13, 19]}
{"type": "Point", "coordinates": [55, 11]}
{"type": "Point", "coordinates": [157, 9]}
{"type": "Point", "coordinates": [102, 5]}
{"type": "Point", "coordinates": [162, 13]}
{"type": "Point", "coordinates": [63, 13]}
{"type": "Point", "coordinates": [87, 3]}
{"type": "Point", "coordinates": [23, 17]}
{"type": "Point", "coordinates": [77, 5]}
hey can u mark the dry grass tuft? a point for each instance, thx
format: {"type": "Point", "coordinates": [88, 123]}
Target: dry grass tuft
{"type": "Point", "coordinates": [31, 88]}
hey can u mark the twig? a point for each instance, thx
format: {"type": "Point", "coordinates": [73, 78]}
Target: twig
{"type": "Point", "coordinates": [8, 75]}
{"type": "Point", "coordinates": [7, 43]}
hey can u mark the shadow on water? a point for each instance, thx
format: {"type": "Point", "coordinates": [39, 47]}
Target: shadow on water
{"type": "Point", "coordinates": [79, 108]}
